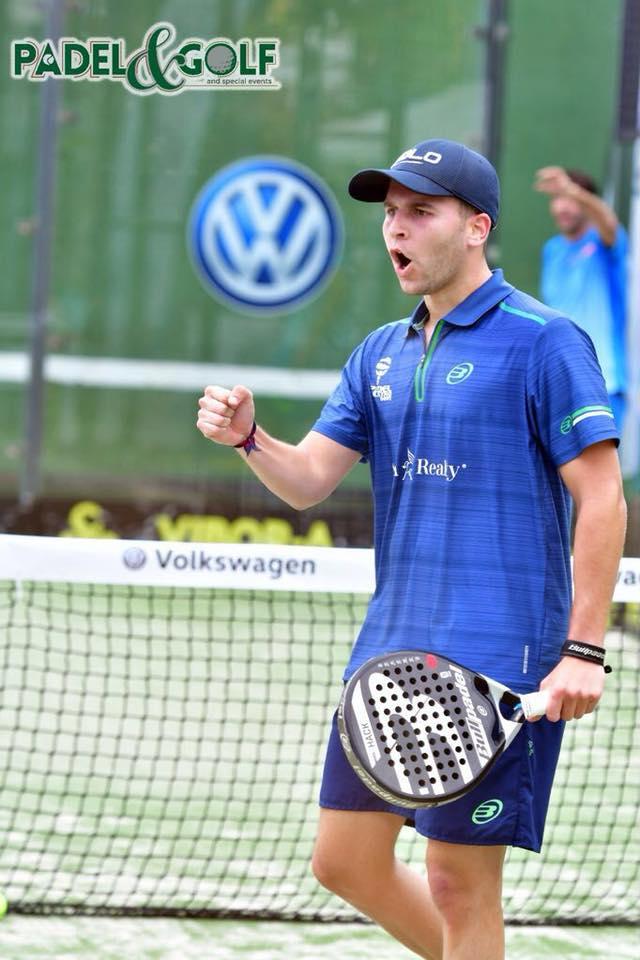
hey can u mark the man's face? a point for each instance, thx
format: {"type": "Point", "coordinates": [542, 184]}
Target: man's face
{"type": "Point", "coordinates": [568, 215]}
{"type": "Point", "coordinates": [425, 237]}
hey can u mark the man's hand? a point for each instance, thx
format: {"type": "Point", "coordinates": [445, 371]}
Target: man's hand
{"type": "Point", "coordinates": [555, 181]}
{"type": "Point", "coordinates": [575, 687]}
{"type": "Point", "coordinates": [226, 416]}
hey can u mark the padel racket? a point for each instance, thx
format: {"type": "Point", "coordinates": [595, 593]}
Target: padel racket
{"type": "Point", "coordinates": [421, 730]}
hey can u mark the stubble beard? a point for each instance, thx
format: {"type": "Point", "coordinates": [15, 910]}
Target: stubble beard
{"type": "Point", "coordinates": [445, 267]}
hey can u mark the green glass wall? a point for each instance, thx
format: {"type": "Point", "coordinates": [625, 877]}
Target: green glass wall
{"type": "Point", "coordinates": [360, 82]}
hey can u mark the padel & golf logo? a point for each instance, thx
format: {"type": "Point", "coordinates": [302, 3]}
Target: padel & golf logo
{"type": "Point", "coordinates": [161, 65]}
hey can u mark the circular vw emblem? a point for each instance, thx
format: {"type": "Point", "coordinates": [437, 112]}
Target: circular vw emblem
{"type": "Point", "coordinates": [134, 558]}
{"type": "Point", "coordinates": [265, 234]}
{"type": "Point", "coordinates": [460, 372]}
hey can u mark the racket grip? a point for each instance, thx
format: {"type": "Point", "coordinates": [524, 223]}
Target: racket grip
{"type": "Point", "coordinates": [535, 704]}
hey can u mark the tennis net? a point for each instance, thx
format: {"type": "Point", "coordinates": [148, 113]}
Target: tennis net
{"type": "Point", "coordinates": [163, 716]}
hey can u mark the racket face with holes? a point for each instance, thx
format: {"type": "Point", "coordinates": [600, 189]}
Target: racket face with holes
{"type": "Point", "coordinates": [421, 730]}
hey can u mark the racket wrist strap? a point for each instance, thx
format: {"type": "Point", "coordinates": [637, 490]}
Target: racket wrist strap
{"type": "Point", "coordinates": [585, 651]}
{"type": "Point", "coordinates": [249, 442]}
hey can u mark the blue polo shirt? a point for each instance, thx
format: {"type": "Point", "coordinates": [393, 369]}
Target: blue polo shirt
{"type": "Point", "coordinates": [464, 441]}
{"type": "Point", "coordinates": [586, 280]}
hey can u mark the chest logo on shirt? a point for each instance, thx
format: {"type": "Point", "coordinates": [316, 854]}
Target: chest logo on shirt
{"type": "Point", "coordinates": [459, 373]}
{"type": "Point", "coordinates": [427, 468]}
{"type": "Point", "coordinates": [382, 391]}
{"type": "Point", "coordinates": [588, 250]}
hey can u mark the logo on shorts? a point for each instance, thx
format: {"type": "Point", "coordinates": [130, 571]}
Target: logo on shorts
{"type": "Point", "coordinates": [486, 811]}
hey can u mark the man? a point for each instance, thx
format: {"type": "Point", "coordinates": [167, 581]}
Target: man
{"type": "Point", "coordinates": [478, 414]}
{"type": "Point", "coordinates": [584, 271]}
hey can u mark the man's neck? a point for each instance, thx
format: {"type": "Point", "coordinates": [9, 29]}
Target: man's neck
{"type": "Point", "coordinates": [577, 234]}
{"type": "Point", "coordinates": [442, 302]}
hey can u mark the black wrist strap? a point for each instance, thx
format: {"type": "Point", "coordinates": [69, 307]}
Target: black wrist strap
{"type": "Point", "coordinates": [585, 651]}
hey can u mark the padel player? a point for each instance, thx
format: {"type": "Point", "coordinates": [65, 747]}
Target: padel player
{"type": "Point", "coordinates": [481, 416]}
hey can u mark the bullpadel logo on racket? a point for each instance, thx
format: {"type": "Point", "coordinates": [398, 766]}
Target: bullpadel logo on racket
{"type": "Point", "coordinates": [160, 65]}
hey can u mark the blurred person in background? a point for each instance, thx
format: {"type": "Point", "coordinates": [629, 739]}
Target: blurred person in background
{"type": "Point", "coordinates": [584, 271]}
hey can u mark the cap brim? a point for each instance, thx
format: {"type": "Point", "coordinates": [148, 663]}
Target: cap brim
{"type": "Point", "coordinates": [372, 185]}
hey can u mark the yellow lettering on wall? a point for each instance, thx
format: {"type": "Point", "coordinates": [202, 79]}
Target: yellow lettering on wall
{"type": "Point", "coordinates": [86, 519]}
{"type": "Point", "coordinates": [210, 528]}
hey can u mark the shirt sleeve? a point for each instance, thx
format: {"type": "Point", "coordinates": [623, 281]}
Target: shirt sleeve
{"type": "Point", "coordinates": [619, 250]}
{"type": "Point", "coordinates": [343, 417]}
{"type": "Point", "coordinates": [566, 393]}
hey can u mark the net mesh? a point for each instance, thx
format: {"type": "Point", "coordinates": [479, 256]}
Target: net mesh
{"type": "Point", "coordinates": [163, 746]}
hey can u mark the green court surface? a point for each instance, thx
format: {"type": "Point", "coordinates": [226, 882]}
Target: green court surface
{"type": "Point", "coordinates": [31, 938]}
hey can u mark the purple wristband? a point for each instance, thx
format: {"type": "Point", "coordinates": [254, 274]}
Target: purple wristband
{"type": "Point", "coordinates": [249, 442]}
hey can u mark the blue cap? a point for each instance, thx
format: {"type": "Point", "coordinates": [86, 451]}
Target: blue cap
{"type": "Point", "coordinates": [440, 168]}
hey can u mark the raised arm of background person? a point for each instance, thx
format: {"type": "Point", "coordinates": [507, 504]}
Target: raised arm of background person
{"type": "Point", "coordinates": [594, 481]}
{"type": "Point", "coordinates": [555, 182]}
{"type": "Point", "coordinates": [301, 475]}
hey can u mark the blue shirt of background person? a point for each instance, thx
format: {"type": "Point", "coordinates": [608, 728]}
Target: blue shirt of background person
{"type": "Point", "coordinates": [584, 270]}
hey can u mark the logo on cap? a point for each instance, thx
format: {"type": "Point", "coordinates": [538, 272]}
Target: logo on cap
{"type": "Point", "coordinates": [410, 156]}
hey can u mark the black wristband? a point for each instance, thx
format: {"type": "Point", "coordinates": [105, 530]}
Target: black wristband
{"type": "Point", "coordinates": [585, 651]}
{"type": "Point", "coordinates": [249, 443]}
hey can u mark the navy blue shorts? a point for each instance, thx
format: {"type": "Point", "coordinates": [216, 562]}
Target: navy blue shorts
{"type": "Point", "coordinates": [508, 807]}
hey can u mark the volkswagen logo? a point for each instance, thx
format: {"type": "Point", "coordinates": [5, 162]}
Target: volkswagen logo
{"type": "Point", "coordinates": [134, 558]}
{"type": "Point", "coordinates": [265, 234]}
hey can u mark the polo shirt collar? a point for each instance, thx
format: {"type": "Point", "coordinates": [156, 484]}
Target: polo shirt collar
{"type": "Point", "coordinates": [469, 310]}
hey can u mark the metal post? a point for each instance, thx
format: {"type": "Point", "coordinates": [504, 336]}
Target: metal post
{"type": "Point", "coordinates": [41, 272]}
{"type": "Point", "coordinates": [495, 35]}
{"type": "Point", "coordinates": [630, 451]}
{"type": "Point", "coordinates": [628, 132]}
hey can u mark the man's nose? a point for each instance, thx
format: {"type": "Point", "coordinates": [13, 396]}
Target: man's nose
{"type": "Point", "coordinates": [399, 225]}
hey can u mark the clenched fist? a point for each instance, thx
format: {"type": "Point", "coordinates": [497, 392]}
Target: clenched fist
{"type": "Point", "coordinates": [226, 416]}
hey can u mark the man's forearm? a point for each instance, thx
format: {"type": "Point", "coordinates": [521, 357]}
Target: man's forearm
{"type": "Point", "coordinates": [599, 212]}
{"type": "Point", "coordinates": [282, 468]}
{"type": "Point", "coordinates": [301, 475]}
{"type": "Point", "coordinates": [598, 544]}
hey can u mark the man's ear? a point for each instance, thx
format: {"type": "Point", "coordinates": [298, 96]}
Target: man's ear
{"type": "Point", "coordinates": [478, 229]}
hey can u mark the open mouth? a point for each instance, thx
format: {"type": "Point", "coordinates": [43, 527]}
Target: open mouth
{"type": "Point", "coordinates": [401, 261]}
